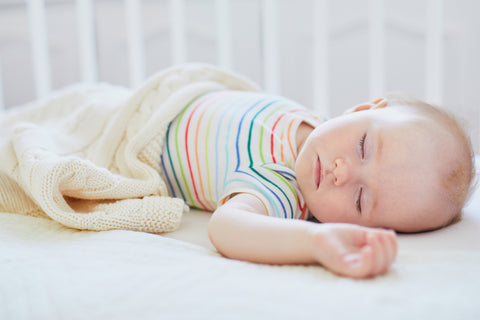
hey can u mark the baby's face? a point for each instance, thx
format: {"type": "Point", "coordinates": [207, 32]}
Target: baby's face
{"type": "Point", "coordinates": [377, 168]}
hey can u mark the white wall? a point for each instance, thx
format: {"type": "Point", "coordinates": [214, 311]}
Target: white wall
{"type": "Point", "coordinates": [405, 55]}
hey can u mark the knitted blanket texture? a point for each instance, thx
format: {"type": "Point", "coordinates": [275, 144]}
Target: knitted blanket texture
{"type": "Point", "coordinates": [88, 156]}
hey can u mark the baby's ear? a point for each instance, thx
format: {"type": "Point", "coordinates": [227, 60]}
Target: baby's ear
{"type": "Point", "coordinates": [376, 104]}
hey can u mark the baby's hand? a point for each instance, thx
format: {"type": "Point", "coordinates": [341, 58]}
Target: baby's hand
{"type": "Point", "coordinates": [354, 251]}
{"type": "Point", "coordinates": [376, 104]}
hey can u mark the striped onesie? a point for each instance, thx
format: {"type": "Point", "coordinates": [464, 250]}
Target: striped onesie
{"type": "Point", "coordinates": [229, 142]}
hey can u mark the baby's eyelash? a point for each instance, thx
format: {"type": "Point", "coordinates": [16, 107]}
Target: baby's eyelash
{"type": "Point", "coordinates": [362, 145]}
{"type": "Point", "coordinates": [359, 202]}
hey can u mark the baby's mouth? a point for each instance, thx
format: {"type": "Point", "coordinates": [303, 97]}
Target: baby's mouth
{"type": "Point", "coordinates": [318, 172]}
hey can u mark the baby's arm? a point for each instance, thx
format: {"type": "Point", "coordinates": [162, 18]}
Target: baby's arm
{"type": "Point", "coordinates": [240, 229]}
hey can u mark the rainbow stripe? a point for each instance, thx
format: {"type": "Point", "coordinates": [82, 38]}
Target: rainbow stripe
{"type": "Point", "coordinates": [228, 142]}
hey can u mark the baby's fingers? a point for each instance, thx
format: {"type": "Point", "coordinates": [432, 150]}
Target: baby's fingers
{"type": "Point", "coordinates": [391, 240]}
{"type": "Point", "coordinates": [377, 255]}
{"type": "Point", "coordinates": [365, 263]}
{"type": "Point", "coordinates": [380, 103]}
{"type": "Point", "coordinates": [377, 258]}
{"type": "Point", "coordinates": [384, 251]}
{"type": "Point", "coordinates": [374, 257]}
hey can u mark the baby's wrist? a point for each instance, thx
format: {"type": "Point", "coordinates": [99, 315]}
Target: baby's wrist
{"type": "Point", "coordinates": [317, 234]}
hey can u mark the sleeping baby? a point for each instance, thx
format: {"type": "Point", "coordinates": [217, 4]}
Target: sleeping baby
{"type": "Point", "coordinates": [270, 171]}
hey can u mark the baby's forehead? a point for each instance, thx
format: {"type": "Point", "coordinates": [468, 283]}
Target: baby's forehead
{"type": "Point", "coordinates": [419, 115]}
{"type": "Point", "coordinates": [428, 126]}
{"type": "Point", "coordinates": [406, 119]}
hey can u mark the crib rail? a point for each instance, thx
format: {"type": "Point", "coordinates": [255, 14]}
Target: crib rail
{"type": "Point", "coordinates": [270, 45]}
{"type": "Point", "coordinates": [39, 44]}
{"type": "Point", "coordinates": [2, 104]}
{"type": "Point", "coordinates": [86, 39]}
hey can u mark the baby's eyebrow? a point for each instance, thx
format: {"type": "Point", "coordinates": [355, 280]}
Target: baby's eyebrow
{"type": "Point", "coordinates": [379, 159]}
{"type": "Point", "coordinates": [378, 156]}
{"type": "Point", "coordinates": [379, 145]}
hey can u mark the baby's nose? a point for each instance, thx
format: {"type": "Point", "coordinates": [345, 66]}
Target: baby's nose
{"type": "Point", "coordinates": [341, 172]}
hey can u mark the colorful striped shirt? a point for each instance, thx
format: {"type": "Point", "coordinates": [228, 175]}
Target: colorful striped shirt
{"type": "Point", "coordinates": [229, 142]}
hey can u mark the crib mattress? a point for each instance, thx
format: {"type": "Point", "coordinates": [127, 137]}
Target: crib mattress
{"type": "Point", "coordinates": [48, 271]}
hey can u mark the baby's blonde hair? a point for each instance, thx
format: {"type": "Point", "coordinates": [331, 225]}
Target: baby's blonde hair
{"type": "Point", "coordinates": [460, 181]}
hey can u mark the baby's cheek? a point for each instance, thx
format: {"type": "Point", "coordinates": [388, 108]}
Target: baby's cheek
{"type": "Point", "coordinates": [302, 174]}
{"type": "Point", "coordinates": [319, 210]}
{"type": "Point", "coordinates": [333, 206]}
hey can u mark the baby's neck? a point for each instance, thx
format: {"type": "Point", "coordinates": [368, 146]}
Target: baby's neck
{"type": "Point", "coordinates": [303, 132]}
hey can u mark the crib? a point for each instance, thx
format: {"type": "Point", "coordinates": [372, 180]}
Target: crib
{"type": "Point", "coordinates": [328, 55]}
{"type": "Point", "coordinates": [315, 52]}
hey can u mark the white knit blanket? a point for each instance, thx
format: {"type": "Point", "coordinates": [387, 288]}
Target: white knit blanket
{"type": "Point", "coordinates": [88, 156]}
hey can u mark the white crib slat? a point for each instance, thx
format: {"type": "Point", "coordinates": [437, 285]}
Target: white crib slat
{"type": "Point", "coordinates": [320, 57]}
{"type": "Point", "coordinates": [135, 42]}
{"type": "Point", "coordinates": [86, 35]}
{"type": "Point", "coordinates": [434, 52]}
{"type": "Point", "coordinates": [2, 101]}
{"type": "Point", "coordinates": [377, 48]}
{"type": "Point", "coordinates": [270, 46]}
{"type": "Point", "coordinates": [177, 25]}
{"type": "Point", "coordinates": [224, 36]}
{"type": "Point", "coordinates": [39, 41]}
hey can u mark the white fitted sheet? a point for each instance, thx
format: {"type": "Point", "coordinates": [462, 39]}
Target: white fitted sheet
{"type": "Point", "coordinates": [48, 271]}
